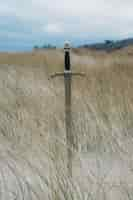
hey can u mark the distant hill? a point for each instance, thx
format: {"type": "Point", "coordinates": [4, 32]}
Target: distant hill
{"type": "Point", "coordinates": [48, 46]}
{"type": "Point", "coordinates": [109, 45]}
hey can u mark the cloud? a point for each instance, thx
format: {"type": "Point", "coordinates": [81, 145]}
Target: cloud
{"type": "Point", "coordinates": [77, 20]}
{"type": "Point", "coordinates": [53, 29]}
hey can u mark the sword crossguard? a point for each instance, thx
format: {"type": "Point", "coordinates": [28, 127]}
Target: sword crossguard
{"type": "Point", "coordinates": [67, 73]}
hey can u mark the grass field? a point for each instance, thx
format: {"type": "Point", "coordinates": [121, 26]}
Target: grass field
{"type": "Point", "coordinates": [32, 129]}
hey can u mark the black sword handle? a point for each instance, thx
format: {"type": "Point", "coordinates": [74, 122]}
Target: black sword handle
{"type": "Point", "coordinates": [67, 57]}
{"type": "Point", "coordinates": [67, 61]}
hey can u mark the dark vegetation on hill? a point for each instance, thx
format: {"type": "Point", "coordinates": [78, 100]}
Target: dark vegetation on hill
{"type": "Point", "coordinates": [45, 46]}
{"type": "Point", "coordinates": [109, 45]}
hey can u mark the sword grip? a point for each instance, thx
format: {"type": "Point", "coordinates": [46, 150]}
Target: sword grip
{"type": "Point", "coordinates": [67, 61]}
{"type": "Point", "coordinates": [67, 56]}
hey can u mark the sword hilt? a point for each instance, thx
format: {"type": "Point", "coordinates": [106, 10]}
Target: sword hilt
{"type": "Point", "coordinates": [67, 67]}
{"type": "Point", "coordinates": [67, 56]}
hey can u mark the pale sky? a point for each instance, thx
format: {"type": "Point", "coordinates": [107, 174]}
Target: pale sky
{"type": "Point", "coordinates": [25, 23]}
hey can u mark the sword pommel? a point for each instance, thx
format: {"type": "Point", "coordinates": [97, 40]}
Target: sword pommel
{"type": "Point", "coordinates": [67, 46]}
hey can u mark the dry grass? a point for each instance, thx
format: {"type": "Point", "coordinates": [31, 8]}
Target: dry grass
{"type": "Point", "coordinates": [32, 134]}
